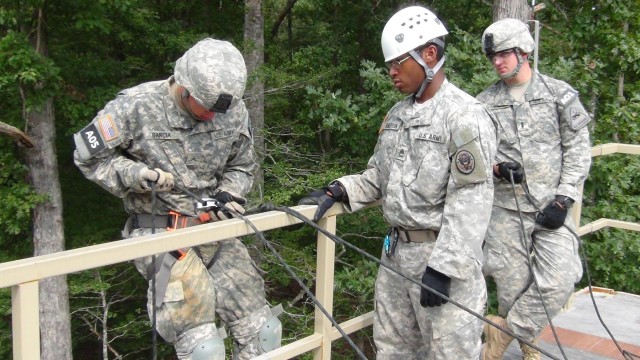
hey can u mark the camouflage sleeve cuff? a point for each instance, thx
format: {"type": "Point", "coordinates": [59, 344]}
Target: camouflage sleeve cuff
{"type": "Point", "coordinates": [569, 191]}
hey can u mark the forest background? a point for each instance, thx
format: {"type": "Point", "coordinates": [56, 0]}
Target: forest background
{"type": "Point", "coordinates": [317, 96]}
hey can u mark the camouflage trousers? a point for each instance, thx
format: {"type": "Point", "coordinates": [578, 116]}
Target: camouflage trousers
{"type": "Point", "coordinates": [404, 330]}
{"type": "Point", "coordinates": [555, 263]}
{"type": "Point", "coordinates": [230, 288]}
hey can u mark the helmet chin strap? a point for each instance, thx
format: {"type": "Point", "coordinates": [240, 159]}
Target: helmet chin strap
{"type": "Point", "coordinates": [518, 67]}
{"type": "Point", "coordinates": [429, 72]}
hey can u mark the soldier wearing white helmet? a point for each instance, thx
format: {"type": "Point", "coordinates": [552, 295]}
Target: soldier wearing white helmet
{"type": "Point", "coordinates": [544, 146]}
{"type": "Point", "coordinates": [408, 32]}
{"type": "Point", "coordinates": [431, 171]}
{"type": "Point", "coordinates": [189, 132]}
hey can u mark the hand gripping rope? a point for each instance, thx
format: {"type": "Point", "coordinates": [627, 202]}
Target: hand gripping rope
{"type": "Point", "coordinates": [214, 203]}
{"type": "Point", "coordinates": [269, 207]}
{"type": "Point", "coordinates": [338, 240]}
{"type": "Point", "coordinates": [625, 354]}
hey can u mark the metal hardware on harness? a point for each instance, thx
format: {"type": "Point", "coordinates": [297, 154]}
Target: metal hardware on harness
{"type": "Point", "coordinates": [390, 241]}
{"type": "Point", "coordinates": [177, 221]}
{"type": "Point", "coordinates": [208, 204]}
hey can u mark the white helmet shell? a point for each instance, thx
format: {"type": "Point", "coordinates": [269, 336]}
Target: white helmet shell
{"type": "Point", "coordinates": [214, 73]}
{"type": "Point", "coordinates": [409, 29]}
{"type": "Point", "coordinates": [507, 34]}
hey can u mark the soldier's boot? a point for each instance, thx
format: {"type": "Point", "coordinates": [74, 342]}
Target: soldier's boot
{"type": "Point", "coordinates": [529, 353]}
{"type": "Point", "coordinates": [496, 340]}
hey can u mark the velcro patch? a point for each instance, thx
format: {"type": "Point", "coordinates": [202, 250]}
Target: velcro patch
{"type": "Point", "coordinates": [222, 134]}
{"type": "Point", "coordinates": [394, 125]}
{"type": "Point", "coordinates": [91, 143]}
{"type": "Point", "coordinates": [465, 162]}
{"type": "Point", "coordinates": [108, 128]}
{"type": "Point", "coordinates": [161, 135]}
{"type": "Point", "coordinates": [567, 97]}
{"type": "Point", "coordinates": [430, 137]}
{"type": "Point", "coordinates": [577, 118]}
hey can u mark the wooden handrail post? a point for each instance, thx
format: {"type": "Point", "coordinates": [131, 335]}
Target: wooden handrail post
{"type": "Point", "coordinates": [324, 286]}
{"type": "Point", "coordinates": [25, 321]}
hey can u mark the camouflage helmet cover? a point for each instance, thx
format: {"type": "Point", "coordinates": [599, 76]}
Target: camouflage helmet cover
{"type": "Point", "coordinates": [212, 68]}
{"type": "Point", "coordinates": [507, 34]}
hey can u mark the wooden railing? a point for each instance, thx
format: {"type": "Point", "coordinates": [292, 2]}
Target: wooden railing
{"type": "Point", "coordinates": [23, 275]}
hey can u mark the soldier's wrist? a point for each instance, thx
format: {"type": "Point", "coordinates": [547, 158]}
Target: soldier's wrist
{"type": "Point", "coordinates": [564, 201]}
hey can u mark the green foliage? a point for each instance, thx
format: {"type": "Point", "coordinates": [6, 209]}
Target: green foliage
{"type": "Point", "coordinates": [613, 254]}
{"type": "Point", "coordinates": [326, 94]}
{"type": "Point", "coordinates": [25, 71]}
{"type": "Point", "coordinates": [5, 324]}
{"type": "Point", "coordinates": [18, 200]}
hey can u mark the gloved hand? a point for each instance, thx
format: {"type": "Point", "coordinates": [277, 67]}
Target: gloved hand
{"type": "Point", "coordinates": [518, 173]}
{"type": "Point", "coordinates": [437, 281]}
{"type": "Point", "coordinates": [163, 180]}
{"type": "Point", "coordinates": [553, 216]}
{"type": "Point", "coordinates": [324, 198]}
{"type": "Point", "coordinates": [229, 200]}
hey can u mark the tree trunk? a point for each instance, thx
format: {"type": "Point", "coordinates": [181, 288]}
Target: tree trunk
{"type": "Point", "coordinates": [515, 9]}
{"type": "Point", "coordinates": [48, 233]}
{"type": "Point", "coordinates": [48, 230]}
{"type": "Point", "coordinates": [254, 58]}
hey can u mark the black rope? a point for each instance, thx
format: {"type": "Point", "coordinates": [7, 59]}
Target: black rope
{"type": "Point", "coordinates": [268, 207]}
{"type": "Point", "coordinates": [267, 243]}
{"type": "Point", "coordinates": [371, 257]}
{"type": "Point", "coordinates": [626, 354]}
{"type": "Point", "coordinates": [262, 238]}
{"type": "Point", "coordinates": [154, 323]}
{"type": "Point", "coordinates": [530, 265]}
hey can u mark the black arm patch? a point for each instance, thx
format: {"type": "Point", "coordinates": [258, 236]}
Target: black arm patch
{"type": "Point", "coordinates": [89, 141]}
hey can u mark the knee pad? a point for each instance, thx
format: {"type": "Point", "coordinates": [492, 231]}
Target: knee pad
{"type": "Point", "coordinates": [209, 349]}
{"type": "Point", "coordinates": [271, 333]}
{"type": "Point", "coordinates": [258, 333]}
{"type": "Point", "coordinates": [204, 342]}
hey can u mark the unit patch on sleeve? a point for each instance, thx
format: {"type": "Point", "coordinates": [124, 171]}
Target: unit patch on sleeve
{"type": "Point", "coordinates": [468, 165]}
{"type": "Point", "coordinates": [465, 162]}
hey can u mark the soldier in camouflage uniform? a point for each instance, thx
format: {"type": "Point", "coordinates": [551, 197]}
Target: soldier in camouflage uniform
{"type": "Point", "coordinates": [431, 172]}
{"type": "Point", "coordinates": [544, 145]}
{"type": "Point", "coordinates": [191, 130]}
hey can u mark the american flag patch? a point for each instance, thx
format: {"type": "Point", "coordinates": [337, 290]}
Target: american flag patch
{"type": "Point", "coordinates": [108, 128]}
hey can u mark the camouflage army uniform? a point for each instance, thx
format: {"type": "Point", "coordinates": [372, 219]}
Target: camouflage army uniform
{"type": "Point", "coordinates": [547, 135]}
{"type": "Point", "coordinates": [142, 128]}
{"type": "Point", "coordinates": [431, 171]}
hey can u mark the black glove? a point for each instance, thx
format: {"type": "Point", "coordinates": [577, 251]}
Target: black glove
{"type": "Point", "coordinates": [227, 200]}
{"type": "Point", "coordinates": [437, 281]}
{"type": "Point", "coordinates": [516, 169]}
{"type": "Point", "coordinates": [324, 198]}
{"type": "Point", "coordinates": [553, 216]}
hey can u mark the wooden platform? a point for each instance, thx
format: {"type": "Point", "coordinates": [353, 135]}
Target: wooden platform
{"type": "Point", "coordinates": [581, 334]}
